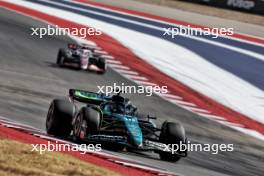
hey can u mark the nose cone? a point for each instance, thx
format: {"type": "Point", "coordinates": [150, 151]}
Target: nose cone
{"type": "Point", "coordinates": [135, 139]}
{"type": "Point", "coordinates": [134, 131]}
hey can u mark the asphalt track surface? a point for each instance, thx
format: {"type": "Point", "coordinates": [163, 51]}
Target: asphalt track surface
{"type": "Point", "coordinates": [29, 80]}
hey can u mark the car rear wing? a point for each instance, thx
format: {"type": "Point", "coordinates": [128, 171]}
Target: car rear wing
{"type": "Point", "coordinates": [73, 46]}
{"type": "Point", "coordinates": [87, 96]}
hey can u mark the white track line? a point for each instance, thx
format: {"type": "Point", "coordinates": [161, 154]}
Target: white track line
{"type": "Point", "coordinates": [196, 110]}
{"type": "Point", "coordinates": [126, 72]}
{"type": "Point", "coordinates": [134, 77]}
{"type": "Point", "coordinates": [249, 132]}
{"type": "Point", "coordinates": [182, 102]}
{"type": "Point", "coordinates": [171, 96]}
{"type": "Point", "coordinates": [113, 62]}
{"type": "Point", "coordinates": [145, 83]}
{"type": "Point", "coordinates": [109, 57]}
{"type": "Point", "coordinates": [212, 116]}
{"type": "Point", "coordinates": [100, 52]}
{"type": "Point", "coordinates": [230, 123]}
{"type": "Point", "coordinates": [116, 66]}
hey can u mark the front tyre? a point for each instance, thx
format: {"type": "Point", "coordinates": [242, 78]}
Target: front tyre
{"type": "Point", "coordinates": [59, 118]}
{"type": "Point", "coordinates": [171, 133]}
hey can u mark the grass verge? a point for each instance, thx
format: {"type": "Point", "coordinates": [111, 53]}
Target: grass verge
{"type": "Point", "coordinates": [17, 159]}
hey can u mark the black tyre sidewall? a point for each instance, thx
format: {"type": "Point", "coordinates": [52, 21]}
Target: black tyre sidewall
{"type": "Point", "coordinates": [60, 57]}
{"type": "Point", "coordinates": [171, 133]}
{"type": "Point", "coordinates": [59, 121]}
{"type": "Point", "coordinates": [92, 118]}
{"type": "Point", "coordinates": [102, 65]}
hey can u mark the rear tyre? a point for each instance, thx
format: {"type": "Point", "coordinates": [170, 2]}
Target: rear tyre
{"type": "Point", "coordinates": [171, 133]}
{"type": "Point", "coordinates": [102, 65]}
{"type": "Point", "coordinates": [60, 58]}
{"type": "Point", "coordinates": [87, 122]}
{"type": "Point", "coordinates": [59, 118]}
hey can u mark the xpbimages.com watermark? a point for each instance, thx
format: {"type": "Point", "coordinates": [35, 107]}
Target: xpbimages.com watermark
{"type": "Point", "coordinates": [196, 147]}
{"type": "Point", "coordinates": [61, 147]}
{"type": "Point", "coordinates": [58, 31]}
{"type": "Point", "coordinates": [135, 89]}
{"type": "Point", "coordinates": [191, 31]}
{"type": "Point", "coordinates": [171, 148]}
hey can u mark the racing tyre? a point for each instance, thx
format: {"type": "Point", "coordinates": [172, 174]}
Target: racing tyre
{"type": "Point", "coordinates": [171, 133]}
{"type": "Point", "coordinates": [60, 58]}
{"type": "Point", "coordinates": [59, 118]}
{"type": "Point", "coordinates": [87, 122]}
{"type": "Point", "coordinates": [102, 65]}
